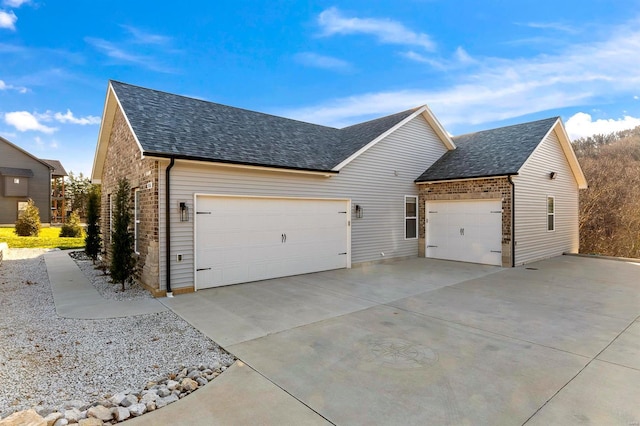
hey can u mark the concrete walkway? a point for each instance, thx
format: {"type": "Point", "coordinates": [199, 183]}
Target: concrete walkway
{"type": "Point", "coordinates": [75, 297]}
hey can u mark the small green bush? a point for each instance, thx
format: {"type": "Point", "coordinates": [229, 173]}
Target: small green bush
{"type": "Point", "coordinates": [72, 227]}
{"type": "Point", "coordinates": [28, 223]}
{"type": "Point", "coordinates": [92, 241]}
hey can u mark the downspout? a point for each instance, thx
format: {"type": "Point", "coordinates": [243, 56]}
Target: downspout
{"type": "Point", "coordinates": [167, 222]}
{"type": "Point", "coordinates": [513, 221]}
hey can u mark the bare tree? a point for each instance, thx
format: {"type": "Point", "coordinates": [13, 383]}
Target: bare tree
{"type": "Point", "coordinates": [610, 208]}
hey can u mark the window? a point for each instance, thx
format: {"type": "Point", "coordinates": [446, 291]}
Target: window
{"type": "Point", "coordinates": [410, 217]}
{"type": "Point", "coordinates": [136, 220]}
{"type": "Point", "coordinates": [551, 213]}
{"type": "Point", "coordinates": [16, 181]}
{"type": "Point", "coordinates": [110, 207]}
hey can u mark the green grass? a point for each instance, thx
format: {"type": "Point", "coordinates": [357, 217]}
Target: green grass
{"type": "Point", "coordinates": [48, 238]}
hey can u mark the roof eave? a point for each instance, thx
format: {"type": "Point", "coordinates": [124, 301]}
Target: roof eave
{"type": "Point", "coordinates": [565, 143]}
{"type": "Point", "coordinates": [111, 105]}
{"type": "Point", "coordinates": [237, 164]}
{"type": "Point", "coordinates": [459, 178]}
{"type": "Point", "coordinates": [438, 128]}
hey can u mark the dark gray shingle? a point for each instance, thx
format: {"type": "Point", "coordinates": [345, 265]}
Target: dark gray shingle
{"type": "Point", "coordinates": [58, 170]}
{"type": "Point", "coordinates": [14, 172]}
{"type": "Point", "coordinates": [495, 152]}
{"type": "Point", "coordinates": [172, 125]}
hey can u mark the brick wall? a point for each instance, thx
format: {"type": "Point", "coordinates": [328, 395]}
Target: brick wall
{"type": "Point", "coordinates": [490, 188]}
{"type": "Point", "coordinates": [123, 159]}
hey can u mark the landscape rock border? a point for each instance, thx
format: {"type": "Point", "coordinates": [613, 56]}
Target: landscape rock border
{"type": "Point", "coordinates": [123, 405]}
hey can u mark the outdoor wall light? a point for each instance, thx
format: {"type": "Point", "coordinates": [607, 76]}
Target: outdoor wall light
{"type": "Point", "coordinates": [184, 212]}
{"type": "Point", "coordinates": [359, 211]}
{"type": "Point", "coordinates": [552, 175]}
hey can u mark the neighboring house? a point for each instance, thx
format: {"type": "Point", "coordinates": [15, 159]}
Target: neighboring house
{"type": "Point", "coordinates": [58, 207]}
{"type": "Point", "coordinates": [23, 176]}
{"type": "Point", "coordinates": [251, 196]}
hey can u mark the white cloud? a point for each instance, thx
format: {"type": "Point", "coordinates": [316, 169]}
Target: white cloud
{"type": "Point", "coordinates": [463, 57]}
{"type": "Point", "coordinates": [68, 117]}
{"type": "Point", "coordinates": [321, 61]}
{"type": "Point", "coordinates": [460, 58]}
{"type": "Point", "coordinates": [8, 20]}
{"type": "Point", "coordinates": [24, 121]}
{"type": "Point", "coordinates": [5, 86]}
{"type": "Point", "coordinates": [115, 52]}
{"type": "Point", "coordinates": [419, 57]}
{"type": "Point", "coordinates": [15, 3]}
{"type": "Point", "coordinates": [387, 31]}
{"type": "Point", "coordinates": [582, 125]}
{"type": "Point", "coordinates": [557, 26]}
{"type": "Point", "coordinates": [492, 89]}
{"type": "Point", "coordinates": [143, 37]}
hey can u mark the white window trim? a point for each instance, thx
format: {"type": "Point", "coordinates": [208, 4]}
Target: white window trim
{"type": "Point", "coordinates": [553, 214]}
{"type": "Point", "coordinates": [136, 221]}
{"type": "Point", "coordinates": [415, 197]}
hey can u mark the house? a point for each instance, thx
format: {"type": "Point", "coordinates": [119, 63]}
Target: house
{"type": "Point", "coordinates": [23, 176]}
{"type": "Point", "coordinates": [224, 195]}
{"type": "Point", "coordinates": [58, 208]}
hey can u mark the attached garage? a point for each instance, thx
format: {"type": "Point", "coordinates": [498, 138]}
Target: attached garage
{"type": "Point", "coordinates": [468, 231]}
{"type": "Point", "coordinates": [242, 239]}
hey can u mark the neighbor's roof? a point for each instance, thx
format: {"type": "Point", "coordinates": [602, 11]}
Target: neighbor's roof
{"type": "Point", "coordinates": [58, 170]}
{"type": "Point", "coordinates": [169, 125]}
{"type": "Point", "coordinates": [11, 171]}
{"type": "Point", "coordinates": [495, 152]}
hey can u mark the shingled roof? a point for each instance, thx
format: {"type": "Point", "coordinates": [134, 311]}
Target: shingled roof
{"type": "Point", "coordinates": [495, 152]}
{"type": "Point", "coordinates": [168, 125]}
{"type": "Point", "coordinates": [58, 169]}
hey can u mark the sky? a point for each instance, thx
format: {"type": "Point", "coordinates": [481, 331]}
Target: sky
{"type": "Point", "coordinates": [477, 64]}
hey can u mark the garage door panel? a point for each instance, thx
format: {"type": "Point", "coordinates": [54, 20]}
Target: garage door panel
{"type": "Point", "coordinates": [468, 231]}
{"type": "Point", "coordinates": [250, 239]}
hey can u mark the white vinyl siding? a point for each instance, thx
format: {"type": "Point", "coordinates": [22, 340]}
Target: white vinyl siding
{"type": "Point", "coordinates": [410, 217]}
{"type": "Point", "coordinates": [377, 180]}
{"type": "Point", "coordinates": [532, 187]}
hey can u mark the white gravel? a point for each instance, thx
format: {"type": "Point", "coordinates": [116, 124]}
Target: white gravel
{"type": "Point", "coordinates": [102, 282]}
{"type": "Point", "coordinates": [46, 360]}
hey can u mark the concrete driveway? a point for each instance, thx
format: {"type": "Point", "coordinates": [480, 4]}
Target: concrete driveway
{"type": "Point", "coordinates": [428, 342]}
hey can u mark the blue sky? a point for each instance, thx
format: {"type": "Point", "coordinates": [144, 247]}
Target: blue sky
{"type": "Point", "coordinates": [477, 64]}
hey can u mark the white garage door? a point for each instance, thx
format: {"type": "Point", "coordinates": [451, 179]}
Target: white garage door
{"type": "Point", "coordinates": [468, 231]}
{"type": "Point", "coordinates": [249, 239]}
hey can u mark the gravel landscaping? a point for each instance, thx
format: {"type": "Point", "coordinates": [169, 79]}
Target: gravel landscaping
{"type": "Point", "coordinates": [47, 361]}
